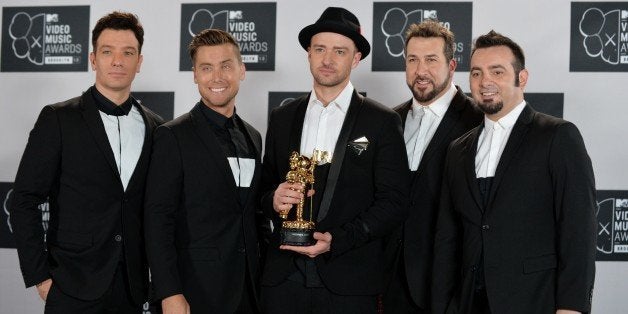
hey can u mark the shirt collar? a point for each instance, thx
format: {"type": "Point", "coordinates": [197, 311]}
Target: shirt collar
{"type": "Point", "coordinates": [216, 118]}
{"type": "Point", "coordinates": [439, 106]}
{"type": "Point", "coordinates": [109, 107]}
{"type": "Point", "coordinates": [508, 121]}
{"type": "Point", "coordinates": [341, 102]}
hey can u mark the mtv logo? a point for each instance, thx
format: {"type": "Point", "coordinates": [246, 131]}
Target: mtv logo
{"type": "Point", "coordinates": [52, 18]}
{"type": "Point", "coordinates": [235, 15]}
{"type": "Point", "coordinates": [429, 15]}
{"type": "Point", "coordinates": [624, 14]}
{"type": "Point", "coordinates": [621, 202]}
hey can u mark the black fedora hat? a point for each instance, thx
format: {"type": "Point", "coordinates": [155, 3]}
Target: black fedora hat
{"type": "Point", "coordinates": [336, 20]}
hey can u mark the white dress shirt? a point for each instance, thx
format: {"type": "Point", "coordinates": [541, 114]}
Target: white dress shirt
{"type": "Point", "coordinates": [492, 141]}
{"type": "Point", "coordinates": [126, 137]}
{"type": "Point", "coordinates": [322, 124]}
{"type": "Point", "coordinates": [421, 124]}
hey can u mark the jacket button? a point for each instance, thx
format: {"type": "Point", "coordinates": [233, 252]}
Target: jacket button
{"type": "Point", "coordinates": [485, 227]}
{"type": "Point", "coordinates": [118, 238]}
{"type": "Point", "coordinates": [241, 250]}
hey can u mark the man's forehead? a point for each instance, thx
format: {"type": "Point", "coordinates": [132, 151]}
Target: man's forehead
{"type": "Point", "coordinates": [111, 36]}
{"type": "Point", "coordinates": [331, 39]}
{"type": "Point", "coordinates": [493, 55]}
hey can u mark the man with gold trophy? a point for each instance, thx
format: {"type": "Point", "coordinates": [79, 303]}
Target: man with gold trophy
{"type": "Point", "coordinates": [340, 158]}
{"type": "Point", "coordinates": [300, 232]}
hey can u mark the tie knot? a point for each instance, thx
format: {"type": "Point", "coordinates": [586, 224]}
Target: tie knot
{"type": "Point", "coordinates": [420, 112]}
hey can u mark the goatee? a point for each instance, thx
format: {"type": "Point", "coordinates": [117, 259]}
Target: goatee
{"type": "Point", "coordinates": [490, 107]}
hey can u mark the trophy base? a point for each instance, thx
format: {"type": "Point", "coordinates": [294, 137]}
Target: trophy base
{"type": "Point", "coordinates": [297, 237]}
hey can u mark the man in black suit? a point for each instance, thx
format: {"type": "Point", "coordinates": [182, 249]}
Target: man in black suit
{"type": "Point", "coordinates": [88, 158]}
{"type": "Point", "coordinates": [516, 229]}
{"type": "Point", "coordinates": [360, 196]}
{"type": "Point", "coordinates": [438, 113]}
{"type": "Point", "coordinates": [201, 193]}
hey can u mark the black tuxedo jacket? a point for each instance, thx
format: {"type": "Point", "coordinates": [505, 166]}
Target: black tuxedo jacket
{"type": "Point", "coordinates": [537, 233]}
{"type": "Point", "coordinates": [416, 238]}
{"type": "Point", "coordinates": [365, 194]}
{"type": "Point", "coordinates": [200, 239]}
{"type": "Point", "coordinates": [68, 162]}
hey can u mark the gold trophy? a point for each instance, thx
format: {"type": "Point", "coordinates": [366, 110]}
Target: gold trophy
{"type": "Point", "coordinates": [300, 232]}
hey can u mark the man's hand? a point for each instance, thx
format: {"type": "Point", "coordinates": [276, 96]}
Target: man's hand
{"type": "Point", "coordinates": [286, 195]}
{"type": "Point", "coordinates": [175, 304]}
{"type": "Point", "coordinates": [567, 312]}
{"type": "Point", "coordinates": [323, 245]}
{"type": "Point", "coordinates": [43, 288]}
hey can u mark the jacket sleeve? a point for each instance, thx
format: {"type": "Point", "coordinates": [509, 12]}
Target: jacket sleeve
{"type": "Point", "coordinates": [391, 186]}
{"type": "Point", "coordinates": [163, 196]}
{"type": "Point", "coordinates": [574, 208]}
{"type": "Point", "coordinates": [270, 174]}
{"type": "Point", "coordinates": [37, 176]}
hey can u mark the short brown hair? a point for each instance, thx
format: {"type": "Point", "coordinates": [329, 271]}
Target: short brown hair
{"type": "Point", "coordinates": [492, 39]}
{"type": "Point", "coordinates": [118, 20]}
{"type": "Point", "coordinates": [213, 37]}
{"type": "Point", "coordinates": [432, 28]}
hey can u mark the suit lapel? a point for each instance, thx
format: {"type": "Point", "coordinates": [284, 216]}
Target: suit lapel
{"type": "Point", "coordinates": [258, 152]}
{"type": "Point", "coordinates": [469, 165]}
{"type": "Point", "coordinates": [403, 110]}
{"type": "Point", "coordinates": [96, 128]}
{"type": "Point", "coordinates": [446, 125]}
{"type": "Point", "coordinates": [142, 162]}
{"type": "Point", "coordinates": [215, 155]}
{"type": "Point", "coordinates": [515, 139]}
{"type": "Point", "coordinates": [249, 133]}
{"type": "Point", "coordinates": [294, 142]}
{"type": "Point", "coordinates": [339, 153]}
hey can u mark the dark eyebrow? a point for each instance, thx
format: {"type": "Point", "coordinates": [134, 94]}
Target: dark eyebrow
{"type": "Point", "coordinates": [497, 66]}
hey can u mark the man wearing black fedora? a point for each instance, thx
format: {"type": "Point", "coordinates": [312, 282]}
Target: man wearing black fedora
{"type": "Point", "coordinates": [361, 189]}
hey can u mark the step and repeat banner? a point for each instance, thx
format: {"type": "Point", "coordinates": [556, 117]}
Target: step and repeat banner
{"type": "Point", "coordinates": [576, 52]}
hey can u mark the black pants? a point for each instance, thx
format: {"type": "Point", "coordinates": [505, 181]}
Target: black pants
{"type": "Point", "coordinates": [117, 299]}
{"type": "Point", "coordinates": [480, 303]}
{"type": "Point", "coordinates": [397, 298]}
{"type": "Point", "coordinates": [248, 304]}
{"type": "Point", "coordinates": [292, 297]}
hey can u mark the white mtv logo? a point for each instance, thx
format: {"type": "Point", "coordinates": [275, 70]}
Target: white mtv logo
{"type": "Point", "coordinates": [235, 15]}
{"type": "Point", "coordinates": [429, 15]}
{"type": "Point", "coordinates": [624, 14]}
{"type": "Point", "coordinates": [50, 18]}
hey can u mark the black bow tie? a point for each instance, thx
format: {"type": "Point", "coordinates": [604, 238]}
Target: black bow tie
{"type": "Point", "coordinates": [110, 108]}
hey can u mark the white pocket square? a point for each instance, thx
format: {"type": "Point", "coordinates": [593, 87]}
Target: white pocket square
{"type": "Point", "coordinates": [359, 145]}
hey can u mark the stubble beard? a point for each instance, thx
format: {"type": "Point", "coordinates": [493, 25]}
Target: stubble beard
{"type": "Point", "coordinates": [327, 81]}
{"type": "Point", "coordinates": [428, 97]}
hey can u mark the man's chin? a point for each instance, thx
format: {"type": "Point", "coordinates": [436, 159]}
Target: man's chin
{"type": "Point", "coordinates": [424, 96]}
{"type": "Point", "coordinates": [490, 108]}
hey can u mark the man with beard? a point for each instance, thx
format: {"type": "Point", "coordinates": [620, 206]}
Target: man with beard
{"type": "Point", "coordinates": [201, 193]}
{"type": "Point", "coordinates": [438, 113]}
{"type": "Point", "coordinates": [516, 228]}
{"type": "Point", "coordinates": [360, 195]}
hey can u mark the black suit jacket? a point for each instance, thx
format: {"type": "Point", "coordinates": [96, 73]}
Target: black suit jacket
{"type": "Point", "coordinates": [68, 161]}
{"type": "Point", "coordinates": [536, 234]}
{"type": "Point", "coordinates": [200, 239]}
{"type": "Point", "coordinates": [416, 238]}
{"type": "Point", "coordinates": [365, 194]}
